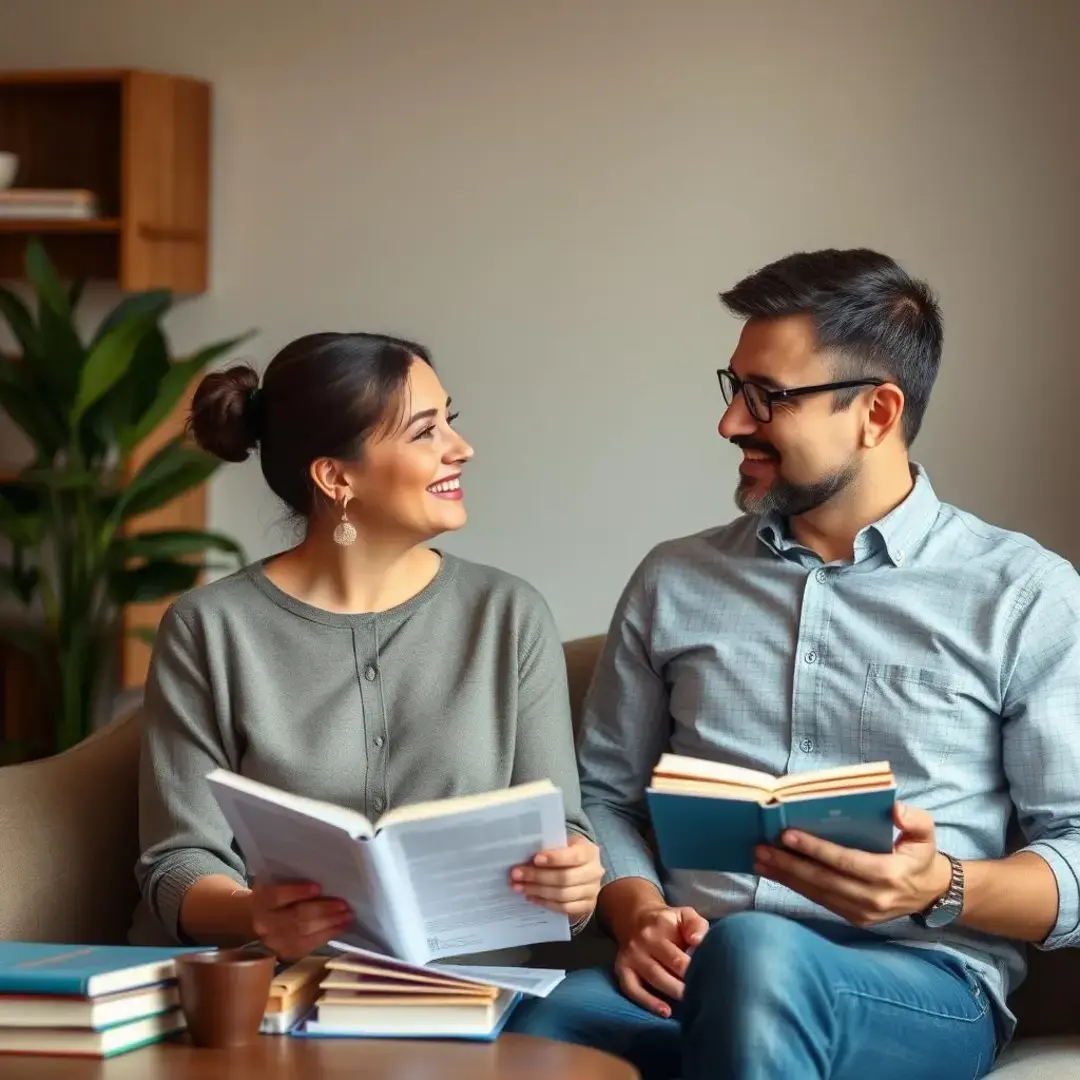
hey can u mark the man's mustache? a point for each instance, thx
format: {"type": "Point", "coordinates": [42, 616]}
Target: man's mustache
{"type": "Point", "coordinates": [745, 442]}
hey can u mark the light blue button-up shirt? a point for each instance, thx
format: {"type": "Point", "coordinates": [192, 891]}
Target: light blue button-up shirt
{"type": "Point", "coordinates": [947, 646]}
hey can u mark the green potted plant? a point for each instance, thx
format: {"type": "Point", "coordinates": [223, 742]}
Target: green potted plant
{"type": "Point", "coordinates": [85, 405]}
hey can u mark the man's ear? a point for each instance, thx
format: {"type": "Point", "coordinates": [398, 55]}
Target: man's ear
{"type": "Point", "coordinates": [884, 415]}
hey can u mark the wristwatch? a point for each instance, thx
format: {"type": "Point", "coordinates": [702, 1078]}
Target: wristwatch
{"type": "Point", "coordinates": [947, 907]}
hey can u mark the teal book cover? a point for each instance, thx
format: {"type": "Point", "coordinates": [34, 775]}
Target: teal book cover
{"type": "Point", "coordinates": [31, 967]}
{"type": "Point", "coordinates": [696, 832]}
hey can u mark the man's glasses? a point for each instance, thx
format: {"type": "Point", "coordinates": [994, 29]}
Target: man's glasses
{"type": "Point", "coordinates": [760, 399]}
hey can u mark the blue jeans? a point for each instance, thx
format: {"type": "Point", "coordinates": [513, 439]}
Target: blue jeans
{"type": "Point", "coordinates": [771, 997]}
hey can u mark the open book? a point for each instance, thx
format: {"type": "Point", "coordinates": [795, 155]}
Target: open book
{"type": "Point", "coordinates": [427, 881]}
{"type": "Point", "coordinates": [710, 816]}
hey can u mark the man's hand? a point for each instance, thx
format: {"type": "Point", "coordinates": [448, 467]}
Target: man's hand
{"type": "Point", "coordinates": [861, 887]}
{"type": "Point", "coordinates": [293, 920]}
{"type": "Point", "coordinates": [655, 954]}
{"type": "Point", "coordinates": [565, 879]}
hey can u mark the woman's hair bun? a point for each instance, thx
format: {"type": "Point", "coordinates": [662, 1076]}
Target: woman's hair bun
{"type": "Point", "coordinates": [224, 413]}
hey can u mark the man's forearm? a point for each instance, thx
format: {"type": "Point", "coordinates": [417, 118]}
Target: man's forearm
{"type": "Point", "coordinates": [1015, 897]}
{"type": "Point", "coordinates": [621, 902]}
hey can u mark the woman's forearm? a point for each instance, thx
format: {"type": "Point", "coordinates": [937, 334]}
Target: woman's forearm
{"type": "Point", "coordinates": [217, 911]}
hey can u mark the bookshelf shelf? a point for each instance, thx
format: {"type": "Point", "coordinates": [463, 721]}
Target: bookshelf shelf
{"type": "Point", "coordinates": [140, 141]}
{"type": "Point", "coordinates": [40, 226]}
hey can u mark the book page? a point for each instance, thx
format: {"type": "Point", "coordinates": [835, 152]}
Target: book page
{"type": "Point", "coordinates": [869, 774]}
{"type": "Point", "coordinates": [538, 982]}
{"type": "Point", "coordinates": [236, 787]}
{"type": "Point", "coordinates": [279, 844]}
{"type": "Point", "coordinates": [677, 766]}
{"type": "Point", "coordinates": [458, 866]}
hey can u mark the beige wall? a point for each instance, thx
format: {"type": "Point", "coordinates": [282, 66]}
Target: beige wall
{"type": "Point", "coordinates": [551, 194]}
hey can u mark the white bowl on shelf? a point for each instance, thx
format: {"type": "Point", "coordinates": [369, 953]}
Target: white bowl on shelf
{"type": "Point", "coordinates": [9, 166]}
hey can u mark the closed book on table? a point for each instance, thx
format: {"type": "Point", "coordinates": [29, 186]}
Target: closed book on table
{"type": "Point", "coordinates": [28, 967]}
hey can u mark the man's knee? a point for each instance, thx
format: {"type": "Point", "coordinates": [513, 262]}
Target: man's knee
{"type": "Point", "coordinates": [751, 960]}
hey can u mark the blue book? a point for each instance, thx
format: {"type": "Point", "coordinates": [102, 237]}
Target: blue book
{"type": "Point", "coordinates": [31, 967]}
{"type": "Point", "coordinates": [707, 815]}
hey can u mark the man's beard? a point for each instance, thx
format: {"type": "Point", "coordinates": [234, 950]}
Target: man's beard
{"type": "Point", "coordinates": [787, 498]}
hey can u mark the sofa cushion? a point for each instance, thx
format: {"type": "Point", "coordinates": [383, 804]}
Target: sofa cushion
{"type": "Point", "coordinates": [1040, 1059]}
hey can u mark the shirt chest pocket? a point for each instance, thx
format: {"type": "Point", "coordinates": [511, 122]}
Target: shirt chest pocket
{"type": "Point", "coordinates": [909, 718]}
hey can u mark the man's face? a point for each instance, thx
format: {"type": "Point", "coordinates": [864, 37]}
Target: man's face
{"type": "Point", "coordinates": [807, 453]}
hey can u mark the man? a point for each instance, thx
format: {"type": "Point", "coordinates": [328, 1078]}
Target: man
{"type": "Point", "coordinates": [848, 615]}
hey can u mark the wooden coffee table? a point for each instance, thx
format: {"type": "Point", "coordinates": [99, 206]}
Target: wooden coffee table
{"type": "Point", "coordinates": [515, 1057]}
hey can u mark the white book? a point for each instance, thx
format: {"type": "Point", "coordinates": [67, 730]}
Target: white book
{"type": "Point", "coordinates": [427, 881]}
{"type": "Point", "coordinates": [78, 1042]}
{"type": "Point", "coordinates": [96, 1014]}
{"type": "Point", "coordinates": [437, 1018]}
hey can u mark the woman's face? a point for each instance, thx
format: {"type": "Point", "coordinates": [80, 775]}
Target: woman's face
{"type": "Point", "coordinates": [409, 481]}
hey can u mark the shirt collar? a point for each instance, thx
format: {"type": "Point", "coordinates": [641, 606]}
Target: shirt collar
{"type": "Point", "coordinates": [900, 531]}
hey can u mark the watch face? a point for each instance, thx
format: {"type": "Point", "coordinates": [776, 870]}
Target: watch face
{"type": "Point", "coordinates": [942, 915]}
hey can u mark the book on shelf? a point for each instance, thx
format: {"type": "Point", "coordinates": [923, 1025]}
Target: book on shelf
{"type": "Point", "coordinates": [427, 881]}
{"type": "Point", "coordinates": [47, 204]}
{"type": "Point", "coordinates": [708, 815]}
{"type": "Point", "coordinates": [364, 995]}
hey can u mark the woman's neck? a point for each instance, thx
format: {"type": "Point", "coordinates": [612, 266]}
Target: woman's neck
{"type": "Point", "coordinates": [366, 576]}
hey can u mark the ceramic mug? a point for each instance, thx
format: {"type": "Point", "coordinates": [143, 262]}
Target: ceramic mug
{"type": "Point", "coordinates": [223, 994]}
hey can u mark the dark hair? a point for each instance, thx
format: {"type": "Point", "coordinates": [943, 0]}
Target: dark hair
{"type": "Point", "coordinates": [878, 320]}
{"type": "Point", "coordinates": [323, 395]}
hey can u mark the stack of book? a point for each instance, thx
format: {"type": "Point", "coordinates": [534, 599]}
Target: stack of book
{"type": "Point", "coordinates": [293, 992]}
{"type": "Point", "coordinates": [365, 995]}
{"type": "Point", "coordinates": [86, 1000]}
{"type": "Point", "coordinates": [47, 204]}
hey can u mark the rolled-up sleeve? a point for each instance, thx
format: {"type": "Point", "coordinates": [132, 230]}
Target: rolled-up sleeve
{"type": "Point", "coordinates": [1041, 734]}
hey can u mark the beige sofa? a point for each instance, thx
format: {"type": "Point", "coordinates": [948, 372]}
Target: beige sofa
{"type": "Point", "coordinates": [68, 842]}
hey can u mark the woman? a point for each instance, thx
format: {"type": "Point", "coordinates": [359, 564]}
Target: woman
{"type": "Point", "coordinates": [360, 666]}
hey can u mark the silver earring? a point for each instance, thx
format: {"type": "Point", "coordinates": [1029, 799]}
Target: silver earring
{"type": "Point", "coordinates": [345, 533]}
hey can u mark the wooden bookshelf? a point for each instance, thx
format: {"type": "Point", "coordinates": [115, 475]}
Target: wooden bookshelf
{"type": "Point", "coordinates": [140, 141]}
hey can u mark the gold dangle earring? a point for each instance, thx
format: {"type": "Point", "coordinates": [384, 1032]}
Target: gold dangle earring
{"type": "Point", "coordinates": [345, 533]}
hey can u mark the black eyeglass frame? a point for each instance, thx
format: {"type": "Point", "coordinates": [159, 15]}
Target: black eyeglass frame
{"type": "Point", "coordinates": [729, 390]}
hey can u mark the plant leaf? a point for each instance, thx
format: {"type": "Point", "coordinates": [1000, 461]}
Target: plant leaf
{"type": "Point", "coordinates": [153, 302]}
{"type": "Point", "coordinates": [152, 581]}
{"type": "Point", "coordinates": [64, 478]}
{"type": "Point", "coordinates": [30, 410]}
{"type": "Point", "coordinates": [145, 634]}
{"type": "Point", "coordinates": [19, 584]}
{"type": "Point", "coordinates": [21, 518]}
{"type": "Point", "coordinates": [18, 317]}
{"type": "Point", "coordinates": [112, 419]}
{"type": "Point", "coordinates": [43, 275]}
{"type": "Point", "coordinates": [172, 544]}
{"type": "Point", "coordinates": [59, 355]}
{"type": "Point", "coordinates": [172, 386]}
{"type": "Point", "coordinates": [173, 470]}
{"type": "Point", "coordinates": [108, 362]}
{"type": "Point", "coordinates": [75, 293]}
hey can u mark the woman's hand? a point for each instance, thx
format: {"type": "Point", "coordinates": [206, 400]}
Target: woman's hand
{"type": "Point", "coordinates": [293, 920]}
{"type": "Point", "coordinates": [563, 879]}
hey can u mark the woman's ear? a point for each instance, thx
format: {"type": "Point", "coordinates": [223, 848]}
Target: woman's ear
{"type": "Point", "coordinates": [329, 479]}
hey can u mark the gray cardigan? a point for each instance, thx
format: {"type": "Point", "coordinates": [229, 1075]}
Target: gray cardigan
{"type": "Point", "coordinates": [460, 690]}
